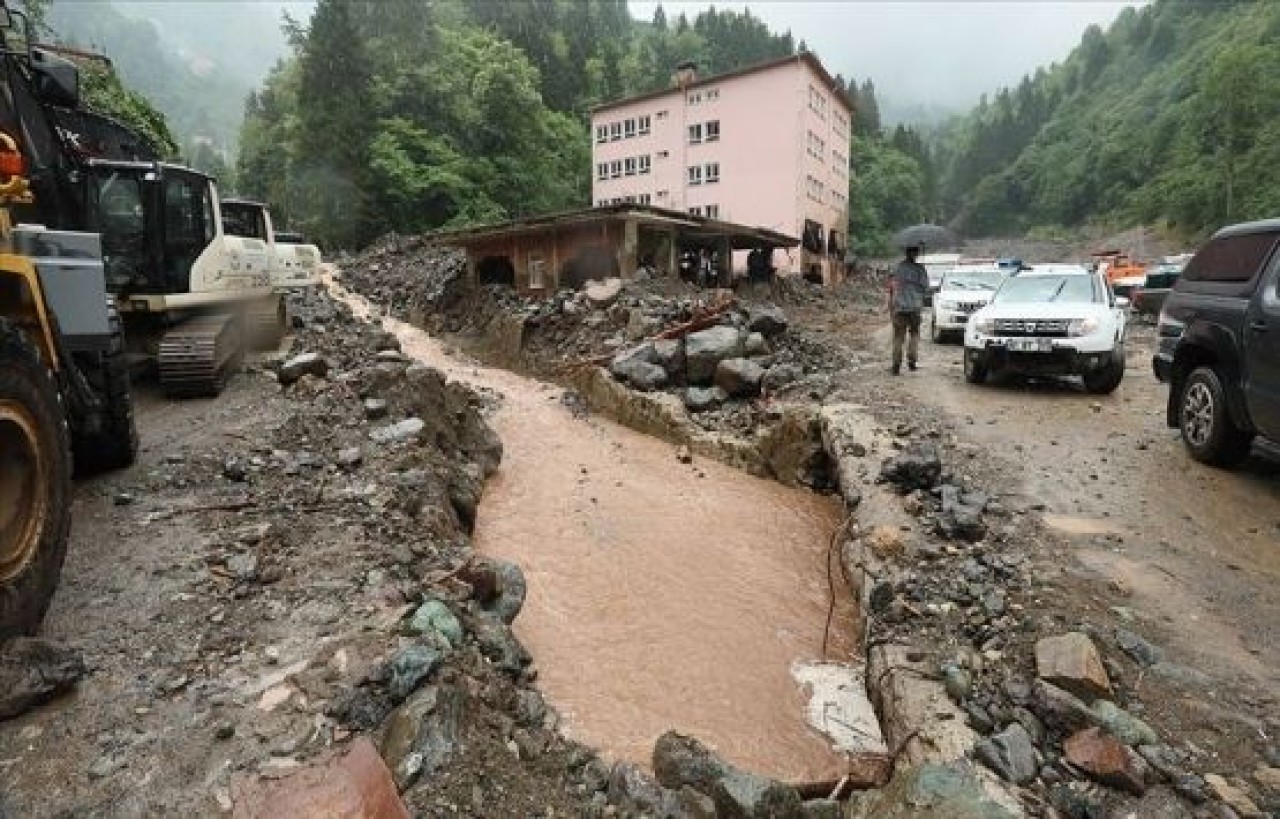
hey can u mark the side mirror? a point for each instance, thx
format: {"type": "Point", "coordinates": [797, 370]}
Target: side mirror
{"type": "Point", "coordinates": [57, 79]}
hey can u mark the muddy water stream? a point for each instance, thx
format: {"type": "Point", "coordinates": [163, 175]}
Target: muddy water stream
{"type": "Point", "coordinates": [661, 594]}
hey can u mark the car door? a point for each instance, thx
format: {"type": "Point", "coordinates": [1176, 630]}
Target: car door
{"type": "Point", "coordinates": [1262, 354]}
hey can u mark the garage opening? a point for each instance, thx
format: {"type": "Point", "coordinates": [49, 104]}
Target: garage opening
{"type": "Point", "coordinates": [591, 262]}
{"type": "Point", "coordinates": [496, 270]}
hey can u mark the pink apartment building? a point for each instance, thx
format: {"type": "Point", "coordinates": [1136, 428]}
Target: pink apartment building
{"type": "Point", "coordinates": [765, 146]}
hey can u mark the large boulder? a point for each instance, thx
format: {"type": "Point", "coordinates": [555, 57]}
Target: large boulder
{"type": "Point", "coordinates": [705, 349]}
{"type": "Point", "coordinates": [701, 399]}
{"type": "Point", "coordinates": [33, 671]}
{"type": "Point", "coordinates": [739, 377]}
{"type": "Point", "coordinates": [681, 761]}
{"type": "Point", "coordinates": [961, 514]}
{"type": "Point", "coordinates": [768, 321]}
{"type": "Point", "coordinates": [1071, 662]}
{"type": "Point", "coordinates": [670, 357]}
{"type": "Point", "coordinates": [1010, 754]}
{"type": "Point", "coordinates": [639, 367]}
{"type": "Point", "coordinates": [917, 467]}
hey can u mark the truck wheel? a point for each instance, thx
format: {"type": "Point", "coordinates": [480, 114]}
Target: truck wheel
{"type": "Point", "coordinates": [1105, 380]}
{"type": "Point", "coordinates": [115, 445]}
{"type": "Point", "coordinates": [1207, 429]}
{"type": "Point", "coordinates": [975, 367]}
{"type": "Point", "coordinates": [35, 485]}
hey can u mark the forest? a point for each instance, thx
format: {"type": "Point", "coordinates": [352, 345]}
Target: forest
{"type": "Point", "coordinates": [1171, 117]}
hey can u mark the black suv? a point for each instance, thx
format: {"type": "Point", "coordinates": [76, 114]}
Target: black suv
{"type": "Point", "coordinates": [1220, 345]}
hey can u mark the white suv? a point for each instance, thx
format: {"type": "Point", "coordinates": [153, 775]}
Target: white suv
{"type": "Point", "coordinates": [1050, 320]}
{"type": "Point", "coordinates": [963, 290]}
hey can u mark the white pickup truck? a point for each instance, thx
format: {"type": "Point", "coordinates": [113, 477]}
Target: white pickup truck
{"type": "Point", "coordinates": [964, 289]}
{"type": "Point", "coordinates": [290, 265]}
{"type": "Point", "coordinates": [1053, 320]}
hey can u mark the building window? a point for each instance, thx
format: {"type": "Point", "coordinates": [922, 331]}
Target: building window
{"type": "Point", "coordinates": [695, 133]}
{"type": "Point", "coordinates": [629, 128]}
{"type": "Point", "coordinates": [663, 194]}
{"type": "Point", "coordinates": [630, 164]}
{"type": "Point", "coordinates": [644, 164]}
{"type": "Point", "coordinates": [713, 211]}
{"type": "Point", "coordinates": [663, 154]}
{"type": "Point", "coordinates": [695, 174]}
{"type": "Point", "coordinates": [712, 94]}
{"type": "Point", "coordinates": [713, 130]}
{"type": "Point", "coordinates": [536, 270]}
{"type": "Point", "coordinates": [615, 169]}
{"type": "Point", "coordinates": [645, 199]}
{"type": "Point", "coordinates": [695, 211]}
{"type": "Point", "coordinates": [695, 98]}
{"type": "Point", "coordinates": [644, 125]}
{"type": "Point", "coordinates": [602, 170]}
{"type": "Point", "coordinates": [602, 133]}
{"type": "Point", "coordinates": [615, 131]}
{"type": "Point", "coordinates": [712, 173]}
{"type": "Point", "coordinates": [661, 115]}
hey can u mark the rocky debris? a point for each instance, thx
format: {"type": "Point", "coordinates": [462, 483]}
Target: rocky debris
{"type": "Point", "coordinates": [434, 617]}
{"type": "Point", "coordinates": [423, 733]}
{"type": "Point", "coordinates": [670, 357]}
{"type": "Point", "coordinates": [756, 345]}
{"type": "Point", "coordinates": [1107, 760]}
{"type": "Point", "coordinates": [312, 364]}
{"type": "Point", "coordinates": [919, 466]}
{"type": "Point", "coordinates": [701, 399]}
{"type": "Point", "coordinates": [779, 376]}
{"type": "Point", "coordinates": [498, 586]}
{"type": "Point", "coordinates": [601, 295]}
{"type": "Point", "coordinates": [639, 367]}
{"type": "Point", "coordinates": [1139, 650]}
{"type": "Point", "coordinates": [1233, 795]}
{"type": "Point", "coordinates": [398, 432]}
{"type": "Point", "coordinates": [930, 791]}
{"type": "Point", "coordinates": [1122, 725]}
{"type": "Point", "coordinates": [681, 761]}
{"type": "Point", "coordinates": [1071, 662]}
{"type": "Point", "coordinates": [961, 515]}
{"type": "Point", "coordinates": [768, 321]}
{"type": "Point", "coordinates": [375, 409]}
{"type": "Point", "coordinates": [705, 349]}
{"type": "Point", "coordinates": [354, 784]}
{"type": "Point", "coordinates": [33, 671]}
{"type": "Point", "coordinates": [500, 646]}
{"type": "Point", "coordinates": [739, 377]}
{"type": "Point", "coordinates": [1010, 754]}
{"type": "Point", "coordinates": [409, 668]}
{"type": "Point", "coordinates": [1061, 710]}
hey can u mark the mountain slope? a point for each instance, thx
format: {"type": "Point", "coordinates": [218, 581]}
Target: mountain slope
{"type": "Point", "coordinates": [1172, 115]}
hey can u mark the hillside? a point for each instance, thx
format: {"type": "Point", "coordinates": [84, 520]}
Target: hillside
{"type": "Point", "coordinates": [1171, 116]}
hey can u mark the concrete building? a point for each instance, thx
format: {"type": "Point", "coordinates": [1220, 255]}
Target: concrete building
{"type": "Point", "coordinates": [765, 146]}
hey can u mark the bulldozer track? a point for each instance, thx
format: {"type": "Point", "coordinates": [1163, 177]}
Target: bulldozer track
{"type": "Point", "coordinates": [199, 355]}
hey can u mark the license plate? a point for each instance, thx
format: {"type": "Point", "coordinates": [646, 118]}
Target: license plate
{"type": "Point", "coordinates": [1030, 345]}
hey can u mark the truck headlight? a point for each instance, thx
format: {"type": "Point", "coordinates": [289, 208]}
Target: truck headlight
{"type": "Point", "coordinates": [1082, 327]}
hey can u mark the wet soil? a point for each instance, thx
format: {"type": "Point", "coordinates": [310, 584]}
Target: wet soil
{"type": "Point", "coordinates": [662, 594]}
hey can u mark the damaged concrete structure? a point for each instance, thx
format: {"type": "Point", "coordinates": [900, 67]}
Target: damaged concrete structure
{"type": "Point", "coordinates": [543, 254]}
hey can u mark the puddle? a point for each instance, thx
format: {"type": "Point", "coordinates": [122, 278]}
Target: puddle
{"type": "Point", "coordinates": [662, 595]}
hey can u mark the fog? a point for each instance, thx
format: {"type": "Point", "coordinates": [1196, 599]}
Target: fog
{"type": "Point", "coordinates": [925, 57]}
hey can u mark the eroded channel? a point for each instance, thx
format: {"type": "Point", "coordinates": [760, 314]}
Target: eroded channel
{"type": "Point", "coordinates": [661, 594]}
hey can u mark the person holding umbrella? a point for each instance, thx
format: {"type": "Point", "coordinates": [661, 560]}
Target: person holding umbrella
{"type": "Point", "coordinates": [908, 289]}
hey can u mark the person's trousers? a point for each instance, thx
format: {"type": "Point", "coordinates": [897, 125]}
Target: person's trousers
{"type": "Point", "coordinates": [904, 323]}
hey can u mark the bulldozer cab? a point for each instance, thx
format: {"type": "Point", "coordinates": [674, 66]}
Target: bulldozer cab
{"type": "Point", "coordinates": [155, 220]}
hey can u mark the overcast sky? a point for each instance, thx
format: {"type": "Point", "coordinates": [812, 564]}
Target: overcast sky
{"type": "Point", "coordinates": [925, 52]}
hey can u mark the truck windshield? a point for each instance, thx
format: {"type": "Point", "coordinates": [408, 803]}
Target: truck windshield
{"type": "Point", "coordinates": [1032, 289]}
{"type": "Point", "coordinates": [976, 280]}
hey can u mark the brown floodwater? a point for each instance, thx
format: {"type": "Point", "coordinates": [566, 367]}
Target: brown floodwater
{"type": "Point", "coordinates": [662, 595]}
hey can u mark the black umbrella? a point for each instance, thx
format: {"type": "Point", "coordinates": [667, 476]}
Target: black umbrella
{"type": "Point", "coordinates": [925, 236]}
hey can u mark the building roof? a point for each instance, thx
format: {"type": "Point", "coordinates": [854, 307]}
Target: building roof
{"type": "Point", "coordinates": [803, 57]}
{"type": "Point", "coordinates": [741, 236]}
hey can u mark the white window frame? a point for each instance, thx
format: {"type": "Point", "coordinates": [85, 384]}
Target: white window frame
{"type": "Point", "coordinates": [537, 270]}
{"type": "Point", "coordinates": [615, 169]}
{"type": "Point", "coordinates": [695, 210]}
{"type": "Point", "coordinates": [713, 211]}
{"type": "Point", "coordinates": [694, 175]}
{"type": "Point", "coordinates": [646, 199]}
{"type": "Point", "coordinates": [711, 131]}
{"type": "Point", "coordinates": [602, 171]}
{"type": "Point", "coordinates": [629, 166]}
{"type": "Point", "coordinates": [629, 128]}
{"type": "Point", "coordinates": [602, 134]}
{"type": "Point", "coordinates": [711, 173]}
{"type": "Point", "coordinates": [644, 125]}
{"type": "Point", "coordinates": [615, 131]}
{"type": "Point", "coordinates": [695, 98]}
{"type": "Point", "coordinates": [695, 133]}
{"type": "Point", "coordinates": [645, 164]}
{"type": "Point", "coordinates": [712, 94]}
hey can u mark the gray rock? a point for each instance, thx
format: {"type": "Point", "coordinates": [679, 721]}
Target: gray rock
{"type": "Point", "coordinates": [768, 321]}
{"type": "Point", "coordinates": [1123, 726]}
{"type": "Point", "coordinates": [304, 364]}
{"type": "Point", "coordinates": [930, 791]}
{"type": "Point", "coordinates": [959, 519]}
{"type": "Point", "coordinates": [531, 709]}
{"type": "Point", "coordinates": [957, 682]}
{"type": "Point", "coordinates": [779, 376]}
{"type": "Point", "coordinates": [434, 617]}
{"type": "Point", "coordinates": [409, 668]}
{"type": "Point", "coordinates": [234, 470]}
{"type": "Point", "coordinates": [33, 671]}
{"type": "Point", "coordinates": [1060, 709]}
{"type": "Point", "coordinates": [1010, 754]}
{"type": "Point", "coordinates": [739, 377]}
{"type": "Point", "coordinates": [602, 294]}
{"type": "Point", "coordinates": [350, 458]}
{"type": "Point", "coordinates": [1138, 649]}
{"type": "Point", "coordinates": [822, 809]}
{"type": "Point", "coordinates": [243, 566]}
{"type": "Point", "coordinates": [707, 348]}
{"type": "Point", "coordinates": [681, 761]}
{"type": "Point", "coordinates": [422, 734]}
{"type": "Point", "coordinates": [398, 432]}
{"type": "Point", "coordinates": [500, 646]}
{"type": "Point", "coordinates": [696, 805]}
{"type": "Point", "coordinates": [701, 399]}
{"type": "Point", "coordinates": [756, 345]}
{"type": "Point", "coordinates": [641, 375]}
{"type": "Point", "coordinates": [499, 586]}
{"type": "Point", "coordinates": [741, 795]}
{"type": "Point", "coordinates": [916, 467]}
{"type": "Point", "coordinates": [375, 408]}
{"type": "Point", "coordinates": [631, 789]}
{"type": "Point", "coordinates": [670, 355]}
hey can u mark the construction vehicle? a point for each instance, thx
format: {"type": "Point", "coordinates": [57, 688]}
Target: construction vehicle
{"type": "Point", "coordinates": [291, 264]}
{"type": "Point", "coordinates": [1122, 272]}
{"type": "Point", "coordinates": [191, 297]}
{"type": "Point", "coordinates": [64, 381]}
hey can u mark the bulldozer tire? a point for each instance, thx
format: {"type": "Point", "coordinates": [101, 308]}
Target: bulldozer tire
{"type": "Point", "coordinates": [35, 485]}
{"type": "Point", "coordinates": [115, 445]}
